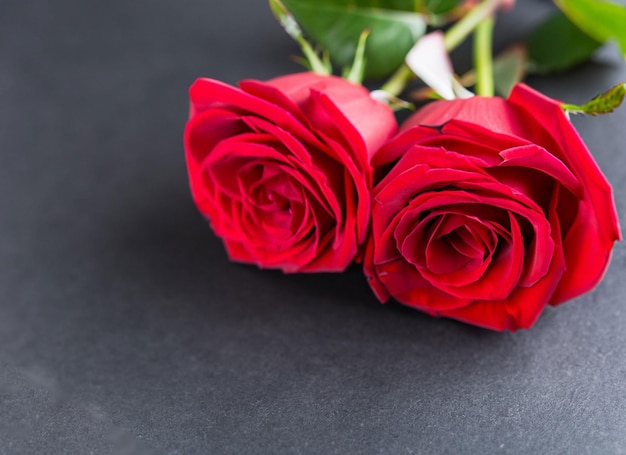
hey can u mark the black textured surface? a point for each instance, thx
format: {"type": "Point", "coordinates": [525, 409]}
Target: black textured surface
{"type": "Point", "coordinates": [124, 329]}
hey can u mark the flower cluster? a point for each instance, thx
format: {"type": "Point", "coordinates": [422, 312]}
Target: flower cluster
{"type": "Point", "coordinates": [483, 209]}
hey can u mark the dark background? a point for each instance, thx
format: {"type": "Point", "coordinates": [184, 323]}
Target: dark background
{"type": "Point", "coordinates": [124, 329]}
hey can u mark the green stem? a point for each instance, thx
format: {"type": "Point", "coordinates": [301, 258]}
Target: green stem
{"type": "Point", "coordinates": [462, 29]}
{"type": "Point", "coordinates": [452, 39]}
{"type": "Point", "coordinates": [398, 80]}
{"type": "Point", "coordinates": [483, 59]}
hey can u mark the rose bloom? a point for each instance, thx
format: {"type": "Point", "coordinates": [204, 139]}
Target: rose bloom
{"type": "Point", "coordinates": [488, 210]}
{"type": "Point", "coordinates": [281, 168]}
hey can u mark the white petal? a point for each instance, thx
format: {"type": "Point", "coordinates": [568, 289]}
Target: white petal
{"type": "Point", "coordinates": [429, 60]}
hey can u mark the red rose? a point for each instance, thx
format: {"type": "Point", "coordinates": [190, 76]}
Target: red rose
{"type": "Point", "coordinates": [490, 209]}
{"type": "Point", "coordinates": [281, 168]}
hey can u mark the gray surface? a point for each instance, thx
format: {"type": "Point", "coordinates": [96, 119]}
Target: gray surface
{"type": "Point", "coordinates": [123, 328]}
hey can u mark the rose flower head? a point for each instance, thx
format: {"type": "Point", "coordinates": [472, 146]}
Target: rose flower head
{"type": "Point", "coordinates": [487, 210]}
{"type": "Point", "coordinates": [281, 169]}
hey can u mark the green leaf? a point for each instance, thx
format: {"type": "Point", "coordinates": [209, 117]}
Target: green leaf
{"type": "Point", "coordinates": [439, 6]}
{"type": "Point", "coordinates": [509, 68]}
{"type": "Point", "coordinates": [602, 104]}
{"type": "Point", "coordinates": [335, 25]}
{"type": "Point", "coordinates": [397, 5]}
{"type": "Point", "coordinates": [600, 19]}
{"type": "Point", "coordinates": [557, 44]}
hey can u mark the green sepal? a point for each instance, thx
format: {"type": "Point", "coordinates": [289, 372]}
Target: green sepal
{"type": "Point", "coordinates": [603, 103]}
{"type": "Point", "coordinates": [356, 72]}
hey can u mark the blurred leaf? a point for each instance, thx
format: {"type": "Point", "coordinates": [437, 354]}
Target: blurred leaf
{"type": "Point", "coordinates": [599, 19]}
{"type": "Point", "coordinates": [439, 6]}
{"type": "Point", "coordinates": [602, 104]}
{"type": "Point", "coordinates": [557, 44]}
{"type": "Point", "coordinates": [509, 68]}
{"type": "Point", "coordinates": [398, 5]}
{"type": "Point", "coordinates": [335, 25]}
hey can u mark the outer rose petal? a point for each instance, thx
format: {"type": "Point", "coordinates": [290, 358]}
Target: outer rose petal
{"type": "Point", "coordinates": [589, 242]}
{"type": "Point", "coordinates": [373, 120]}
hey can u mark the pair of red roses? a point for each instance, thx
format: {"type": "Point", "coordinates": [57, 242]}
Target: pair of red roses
{"type": "Point", "coordinates": [483, 209]}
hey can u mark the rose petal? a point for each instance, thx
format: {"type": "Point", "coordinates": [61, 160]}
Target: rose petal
{"type": "Point", "coordinates": [407, 286]}
{"type": "Point", "coordinates": [373, 120]}
{"type": "Point", "coordinates": [208, 93]}
{"type": "Point", "coordinates": [429, 60]}
{"type": "Point", "coordinates": [491, 114]}
{"type": "Point", "coordinates": [537, 158]}
{"type": "Point", "coordinates": [596, 225]}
